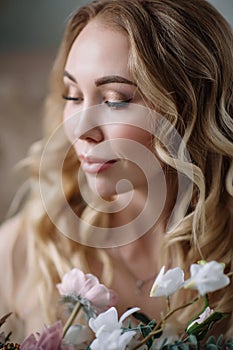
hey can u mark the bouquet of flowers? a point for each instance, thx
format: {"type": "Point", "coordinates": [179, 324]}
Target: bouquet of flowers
{"type": "Point", "coordinates": [105, 331]}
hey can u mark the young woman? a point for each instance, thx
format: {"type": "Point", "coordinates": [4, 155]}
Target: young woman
{"type": "Point", "coordinates": [135, 169]}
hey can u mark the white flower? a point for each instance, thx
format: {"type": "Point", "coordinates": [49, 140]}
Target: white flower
{"type": "Point", "coordinates": [108, 330]}
{"type": "Point", "coordinates": [112, 341]}
{"type": "Point", "coordinates": [167, 283]}
{"type": "Point", "coordinates": [202, 317]}
{"type": "Point", "coordinates": [207, 277]}
{"type": "Point", "coordinates": [108, 320]}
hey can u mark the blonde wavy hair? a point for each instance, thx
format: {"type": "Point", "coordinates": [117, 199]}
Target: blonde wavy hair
{"type": "Point", "coordinates": [181, 55]}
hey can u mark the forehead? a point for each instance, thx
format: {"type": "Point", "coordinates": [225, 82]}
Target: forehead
{"type": "Point", "coordinates": [99, 47]}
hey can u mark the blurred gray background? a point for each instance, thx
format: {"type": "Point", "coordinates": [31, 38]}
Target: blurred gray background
{"type": "Point", "coordinates": [30, 34]}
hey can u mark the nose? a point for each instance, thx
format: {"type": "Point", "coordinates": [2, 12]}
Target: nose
{"type": "Point", "coordinates": [92, 135]}
{"type": "Point", "coordinates": [87, 127]}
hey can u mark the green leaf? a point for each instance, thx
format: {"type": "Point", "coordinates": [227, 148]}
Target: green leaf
{"type": "Point", "coordinates": [192, 339]}
{"type": "Point", "coordinates": [141, 317]}
{"type": "Point", "coordinates": [218, 344]}
{"type": "Point", "coordinates": [145, 330]}
{"type": "Point", "coordinates": [174, 347]}
{"type": "Point", "coordinates": [211, 340]}
{"type": "Point", "coordinates": [211, 347]}
{"type": "Point", "coordinates": [229, 344]}
{"type": "Point", "coordinates": [219, 341]}
{"type": "Point", "coordinates": [183, 346]}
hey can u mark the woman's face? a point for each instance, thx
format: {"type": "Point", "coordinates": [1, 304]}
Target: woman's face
{"type": "Point", "coordinates": [102, 115]}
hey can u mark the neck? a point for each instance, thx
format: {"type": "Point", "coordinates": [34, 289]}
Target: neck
{"type": "Point", "coordinates": [141, 256]}
{"type": "Point", "coordinates": [141, 252]}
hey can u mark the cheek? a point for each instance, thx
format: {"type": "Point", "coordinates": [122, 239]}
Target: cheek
{"type": "Point", "coordinates": [67, 127]}
{"type": "Point", "coordinates": [69, 123]}
{"type": "Point", "coordinates": [132, 133]}
{"type": "Point", "coordinates": [65, 118]}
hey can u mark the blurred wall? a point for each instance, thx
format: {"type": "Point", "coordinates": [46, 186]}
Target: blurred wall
{"type": "Point", "coordinates": [33, 24]}
{"type": "Point", "coordinates": [30, 34]}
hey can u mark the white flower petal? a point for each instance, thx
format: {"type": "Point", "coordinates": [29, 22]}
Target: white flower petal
{"type": "Point", "coordinates": [207, 277]}
{"type": "Point", "coordinates": [157, 281]}
{"type": "Point", "coordinates": [194, 269]}
{"type": "Point", "coordinates": [168, 283]}
{"type": "Point", "coordinates": [108, 318]}
{"type": "Point", "coordinates": [112, 341]}
{"type": "Point", "coordinates": [95, 345]}
{"type": "Point", "coordinates": [128, 313]}
{"type": "Point", "coordinates": [126, 338]}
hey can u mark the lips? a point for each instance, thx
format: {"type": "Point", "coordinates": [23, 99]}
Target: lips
{"type": "Point", "coordinates": [94, 165]}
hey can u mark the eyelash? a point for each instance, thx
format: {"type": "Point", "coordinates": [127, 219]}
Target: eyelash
{"type": "Point", "coordinates": [113, 105]}
{"type": "Point", "coordinates": [69, 98]}
{"type": "Point", "coordinates": [118, 105]}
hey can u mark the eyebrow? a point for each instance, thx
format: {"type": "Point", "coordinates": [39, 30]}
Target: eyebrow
{"type": "Point", "coordinates": [113, 79]}
{"type": "Point", "coordinates": [104, 80]}
{"type": "Point", "coordinates": [69, 76]}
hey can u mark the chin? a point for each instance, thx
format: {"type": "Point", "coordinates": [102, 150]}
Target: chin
{"type": "Point", "coordinates": [101, 188]}
{"type": "Point", "coordinates": [110, 191]}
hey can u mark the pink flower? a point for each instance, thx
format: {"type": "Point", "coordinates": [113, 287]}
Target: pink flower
{"type": "Point", "coordinates": [88, 287]}
{"type": "Point", "coordinates": [50, 339]}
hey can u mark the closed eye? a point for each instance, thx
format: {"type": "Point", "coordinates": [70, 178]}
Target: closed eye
{"type": "Point", "coordinates": [111, 104]}
{"type": "Point", "coordinates": [70, 98]}
{"type": "Point", "coordinates": [119, 104]}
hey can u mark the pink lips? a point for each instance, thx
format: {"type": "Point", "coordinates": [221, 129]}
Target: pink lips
{"type": "Point", "coordinates": [94, 165]}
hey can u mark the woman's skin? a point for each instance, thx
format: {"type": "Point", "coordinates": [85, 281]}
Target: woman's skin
{"type": "Point", "coordinates": [96, 74]}
{"type": "Point", "coordinates": [97, 57]}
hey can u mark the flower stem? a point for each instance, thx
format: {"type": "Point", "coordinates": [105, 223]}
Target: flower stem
{"type": "Point", "coordinates": [206, 301]}
{"type": "Point", "coordinates": [70, 320]}
{"type": "Point", "coordinates": [168, 304]}
{"type": "Point", "coordinates": [159, 325]}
